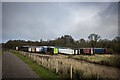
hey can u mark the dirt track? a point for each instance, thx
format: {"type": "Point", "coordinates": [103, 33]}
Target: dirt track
{"type": "Point", "coordinates": [14, 67]}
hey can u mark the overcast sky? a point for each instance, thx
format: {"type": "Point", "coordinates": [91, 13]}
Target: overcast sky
{"type": "Point", "coordinates": [50, 20]}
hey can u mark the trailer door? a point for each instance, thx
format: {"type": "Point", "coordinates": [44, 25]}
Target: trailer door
{"type": "Point", "coordinates": [55, 50]}
{"type": "Point", "coordinates": [92, 51]}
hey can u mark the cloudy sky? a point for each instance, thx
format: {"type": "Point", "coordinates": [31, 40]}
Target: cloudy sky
{"type": "Point", "coordinates": [50, 20]}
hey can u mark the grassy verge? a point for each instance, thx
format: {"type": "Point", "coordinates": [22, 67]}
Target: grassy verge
{"type": "Point", "coordinates": [41, 71]}
{"type": "Point", "coordinates": [109, 60]}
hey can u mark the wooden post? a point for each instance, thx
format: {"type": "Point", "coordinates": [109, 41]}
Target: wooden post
{"type": "Point", "coordinates": [57, 67]}
{"type": "Point", "coordinates": [97, 76]}
{"type": "Point", "coordinates": [42, 60]}
{"type": "Point", "coordinates": [48, 63]}
{"type": "Point", "coordinates": [71, 71]}
{"type": "Point", "coordinates": [24, 53]}
{"type": "Point", "coordinates": [39, 60]}
{"type": "Point", "coordinates": [34, 56]}
{"type": "Point", "coordinates": [29, 55]}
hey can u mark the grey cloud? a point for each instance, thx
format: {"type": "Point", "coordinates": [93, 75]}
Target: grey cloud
{"type": "Point", "coordinates": [33, 21]}
{"type": "Point", "coordinates": [104, 23]}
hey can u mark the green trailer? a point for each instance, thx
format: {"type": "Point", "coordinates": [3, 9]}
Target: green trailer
{"type": "Point", "coordinates": [55, 51]}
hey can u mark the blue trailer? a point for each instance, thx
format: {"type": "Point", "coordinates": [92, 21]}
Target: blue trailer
{"type": "Point", "coordinates": [100, 51]}
{"type": "Point", "coordinates": [44, 49]}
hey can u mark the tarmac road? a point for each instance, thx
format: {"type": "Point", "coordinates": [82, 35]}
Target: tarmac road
{"type": "Point", "coordinates": [0, 67]}
{"type": "Point", "coordinates": [14, 67]}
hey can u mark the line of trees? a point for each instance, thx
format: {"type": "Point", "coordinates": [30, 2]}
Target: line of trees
{"type": "Point", "coordinates": [93, 41]}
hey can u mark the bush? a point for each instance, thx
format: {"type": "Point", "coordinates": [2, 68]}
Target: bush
{"type": "Point", "coordinates": [110, 51]}
{"type": "Point", "coordinates": [114, 61]}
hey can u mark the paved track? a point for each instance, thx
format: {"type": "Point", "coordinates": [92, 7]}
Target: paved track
{"type": "Point", "coordinates": [14, 67]}
{"type": "Point", "coordinates": [0, 67]}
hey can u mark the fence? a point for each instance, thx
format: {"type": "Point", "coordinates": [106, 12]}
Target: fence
{"type": "Point", "coordinates": [69, 68]}
{"type": "Point", "coordinates": [59, 67]}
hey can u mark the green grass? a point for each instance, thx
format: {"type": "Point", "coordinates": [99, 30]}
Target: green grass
{"type": "Point", "coordinates": [111, 60]}
{"type": "Point", "coordinates": [94, 58]}
{"type": "Point", "coordinates": [41, 71]}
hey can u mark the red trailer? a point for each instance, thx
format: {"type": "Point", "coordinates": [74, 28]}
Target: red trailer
{"type": "Point", "coordinates": [88, 51]}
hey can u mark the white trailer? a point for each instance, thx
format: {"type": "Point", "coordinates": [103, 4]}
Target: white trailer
{"type": "Point", "coordinates": [38, 49]}
{"type": "Point", "coordinates": [66, 51]}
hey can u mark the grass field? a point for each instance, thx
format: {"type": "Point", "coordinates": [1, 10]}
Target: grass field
{"type": "Point", "coordinates": [41, 71]}
{"type": "Point", "coordinates": [111, 60]}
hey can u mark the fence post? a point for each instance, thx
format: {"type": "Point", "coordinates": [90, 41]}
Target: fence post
{"type": "Point", "coordinates": [42, 60]}
{"type": "Point", "coordinates": [97, 76]}
{"type": "Point", "coordinates": [20, 52]}
{"type": "Point", "coordinates": [24, 53]}
{"type": "Point", "coordinates": [29, 55]}
{"type": "Point", "coordinates": [71, 71]}
{"type": "Point", "coordinates": [48, 63]}
{"type": "Point", "coordinates": [57, 67]}
{"type": "Point", "coordinates": [38, 59]}
{"type": "Point", "coordinates": [34, 56]}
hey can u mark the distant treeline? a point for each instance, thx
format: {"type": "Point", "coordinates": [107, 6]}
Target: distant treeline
{"type": "Point", "coordinates": [94, 41]}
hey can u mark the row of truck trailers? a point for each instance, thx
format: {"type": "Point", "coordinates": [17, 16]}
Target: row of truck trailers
{"type": "Point", "coordinates": [61, 50]}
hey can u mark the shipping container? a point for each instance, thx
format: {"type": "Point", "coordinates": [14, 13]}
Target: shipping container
{"type": "Point", "coordinates": [100, 50]}
{"type": "Point", "coordinates": [87, 51]}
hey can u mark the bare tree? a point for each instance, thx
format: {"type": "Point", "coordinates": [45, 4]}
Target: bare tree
{"type": "Point", "coordinates": [94, 38]}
